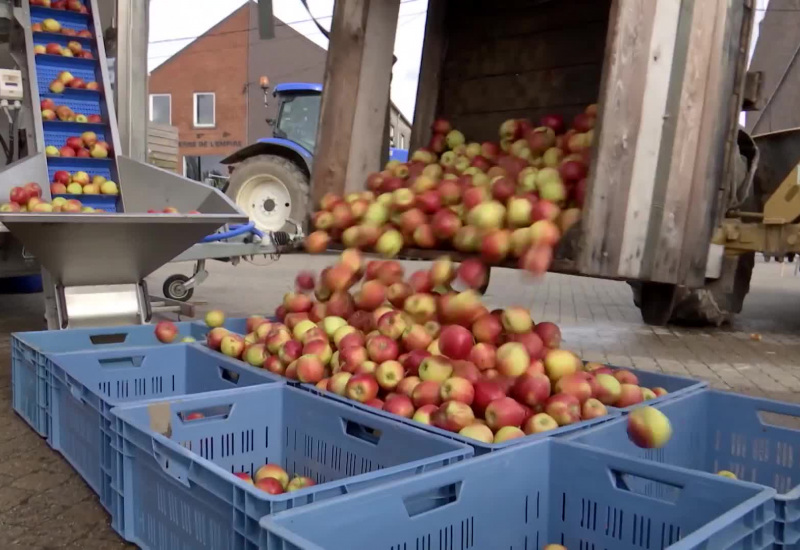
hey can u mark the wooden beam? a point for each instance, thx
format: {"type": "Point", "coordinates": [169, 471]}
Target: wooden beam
{"type": "Point", "coordinates": [355, 95]}
{"type": "Point", "coordinates": [430, 74]}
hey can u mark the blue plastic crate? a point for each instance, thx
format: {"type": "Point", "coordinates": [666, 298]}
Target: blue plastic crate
{"type": "Point", "coordinates": [180, 493]}
{"type": "Point", "coordinates": [48, 67]}
{"type": "Point", "coordinates": [86, 386]}
{"type": "Point", "coordinates": [93, 167]}
{"type": "Point", "coordinates": [57, 134]}
{"type": "Point", "coordinates": [105, 202]}
{"type": "Point", "coordinates": [715, 431]}
{"type": "Point", "coordinates": [81, 103]}
{"type": "Point", "coordinates": [526, 497]}
{"type": "Point", "coordinates": [76, 21]}
{"type": "Point", "coordinates": [30, 373]}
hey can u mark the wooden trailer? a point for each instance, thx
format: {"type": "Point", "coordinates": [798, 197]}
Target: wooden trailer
{"type": "Point", "coordinates": [668, 76]}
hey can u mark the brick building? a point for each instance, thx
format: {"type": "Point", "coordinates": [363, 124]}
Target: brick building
{"type": "Point", "coordinates": [210, 89]}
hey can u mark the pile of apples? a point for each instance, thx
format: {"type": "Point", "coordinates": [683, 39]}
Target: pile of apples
{"type": "Point", "coordinates": [28, 198]}
{"type": "Point", "coordinates": [508, 200]}
{"type": "Point", "coordinates": [79, 183]}
{"type": "Point", "coordinates": [274, 480]}
{"type": "Point", "coordinates": [72, 49]}
{"type": "Point", "coordinates": [416, 348]}
{"type": "Point", "coordinates": [69, 5]}
{"type": "Point", "coordinates": [53, 26]}
{"type": "Point", "coordinates": [65, 79]}
{"type": "Point", "coordinates": [51, 111]}
{"type": "Point", "coordinates": [85, 145]}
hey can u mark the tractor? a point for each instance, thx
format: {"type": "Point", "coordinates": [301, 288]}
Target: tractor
{"type": "Point", "coordinates": [269, 179]}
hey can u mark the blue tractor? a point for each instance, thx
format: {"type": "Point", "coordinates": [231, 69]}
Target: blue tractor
{"type": "Point", "coordinates": [269, 180]}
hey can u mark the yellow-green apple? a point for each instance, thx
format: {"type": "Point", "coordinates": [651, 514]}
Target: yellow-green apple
{"type": "Point", "coordinates": [531, 389]}
{"type": "Point", "coordinates": [564, 408]}
{"type": "Point", "coordinates": [533, 344]}
{"type": "Point", "coordinates": [443, 271]}
{"type": "Point", "coordinates": [244, 476]}
{"type": "Point", "coordinates": [486, 391]}
{"type": "Point", "coordinates": [367, 367]}
{"type": "Point", "coordinates": [538, 423]}
{"type": "Point", "coordinates": [416, 338]}
{"type": "Point", "coordinates": [214, 318]}
{"type": "Point", "coordinates": [389, 374]}
{"type": "Point", "coordinates": [347, 336]}
{"type": "Point", "coordinates": [273, 471]}
{"type": "Point", "coordinates": [41, 207]}
{"type": "Point", "coordinates": [626, 377]}
{"type": "Point", "coordinates": [255, 355]}
{"type": "Point", "coordinates": [381, 348]}
{"type": "Point", "coordinates": [504, 412]}
{"type": "Point", "coordinates": [52, 151]}
{"type": "Point", "coordinates": [519, 212]}
{"type": "Point", "coordinates": [232, 345]}
{"type": "Point", "coordinates": [435, 368]}
{"type": "Point", "coordinates": [166, 332]}
{"type": "Point", "coordinates": [629, 395]}
{"type": "Point", "coordinates": [426, 392]}
{"type": "Point", "coordinates": [91, 189]}
{"type": "Point", "coordinates": [423, 413]}
{"type": "Point", "coordinates": [648, 394]}
{"type": "Point", "coordinates": [433, 328]}
{"type": "Point", "coordinates": [516, 320]}
{"type": "Point", "coordinates": [579, 384]}
{"type": "Point", "coordinates": [487, 328]}
{"type": "Point", "coordinates": [338, 382]}
{"type": "Point", "coordinates": [487, 215]}
{"type": "Point", "coordinates": [397, 294]}
{"type": "Point", "coordinates": [393, 324]}
{"type": "Point", "coordinates": [559, 363]}
{"type": "Point", "coordinates": [362, 388]}
{"type": "Point", "coordinates": [458, 389]}
{"type": "Point", "coordinates": [593, 408]}
{"type": "Point", "coordinates": [608, 390]}
{"type": "Point", "coordinates": [299, 482]}
{"type": "Point", "coordinates": [407, 385]}
{"type": "Point", "coordinates": [456, 342]}
{"type": "Point", "coordinates": [302, 327]}
{"type": "Point", "coordinates": [48, 114]}
{"type": "Point", "coordinates": [276, 339]}
{"type": "Point", "coordinates": [659, 392]}
{"type": "Point", "coordinates": [479, 432]}
{"type": "Point", "coordinates": [507, 433]}
{"type": "Point", "coordinates": [649, 428]}
{"type": "Point", "coordinates": [727, 473]}
{"type": "Point", "coordinates": [549, 333]}
{"type": "Point", "coordinates": [215, 336]}
{"type": "Point", "coordinates": [319, 348]}
{"type": "Point", "coordinates": [483, 356]}
{"type": "Point", "coordinates": [555, 547]}
{"type": "Point", "coordinates": [331, 324]}
{"type": "Point", "coordinates": [389, 243]}
{"type": "Point", "coordinates": [512, 359]}
{"type": "Point", "coordinates": [421, 307]}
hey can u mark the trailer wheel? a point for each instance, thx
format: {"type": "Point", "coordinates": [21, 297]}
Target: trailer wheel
{"type": "Point", "coordinates": [271, 190]}
{"type": "Point", "coordinates": [174, 288]}
{"type": "Point", "coordinates": [655, 301]}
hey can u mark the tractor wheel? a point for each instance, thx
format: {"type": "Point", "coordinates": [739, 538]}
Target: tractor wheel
{"type": "Point", "coordinates": [655, 301]}
{"type": "Point", "coordinates": [270, 190]}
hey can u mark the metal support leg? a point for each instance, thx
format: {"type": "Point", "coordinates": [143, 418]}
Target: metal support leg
{"type": "Point", "coordinates": [200, 274]}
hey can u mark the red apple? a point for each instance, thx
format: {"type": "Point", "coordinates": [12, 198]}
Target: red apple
{"type": "Point", "coordinates": [426, 393]}
{"type": "Point", "coordinates": [166, 332]}
{"type": "Point", "coordinates": [382, 348]}
{"type": "Point", "coordinates": [564, 408]}
{"type": "Point", "coordinates": [457, 389]}
{"type": "Point", "coordinates": [531, 389]}
{"type": "Point", "coordinates": [456, 342]}
{"type": "Point", "coordinates": [504, 412]}
{"type": "Point", "coordinates": [362, 388]}
{"type": "Point", "coordinates": [399, 404]}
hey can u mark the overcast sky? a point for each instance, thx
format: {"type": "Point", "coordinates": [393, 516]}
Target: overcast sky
{"type": "Point", "coordinates": [173, 23]}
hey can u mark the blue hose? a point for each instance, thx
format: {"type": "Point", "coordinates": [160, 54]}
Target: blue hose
{"type": "Point", "coordinates": [234, 231]}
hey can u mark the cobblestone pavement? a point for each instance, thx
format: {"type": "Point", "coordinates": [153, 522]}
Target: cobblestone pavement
{"type": "Point", "coordinates": [44, 504]}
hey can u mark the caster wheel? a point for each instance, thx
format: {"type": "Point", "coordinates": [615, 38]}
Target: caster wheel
{"type": "Point", "coordinates": [174, 288]}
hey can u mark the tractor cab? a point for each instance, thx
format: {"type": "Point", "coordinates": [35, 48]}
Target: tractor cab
{"type": "Point", "coordinates": [298, 113]}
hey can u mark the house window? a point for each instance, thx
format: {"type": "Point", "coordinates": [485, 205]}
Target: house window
{"type": "Point", "coordinates": [402, 141]}
{"type": "Point", "coordinates": [161, 108]}
{"type": "Point", "coordinates": [391, 136]}
{"type": "Point", "coordinates": [204, 110]}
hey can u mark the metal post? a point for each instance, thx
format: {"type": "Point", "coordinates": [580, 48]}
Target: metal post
{"type": "Point", "coordinates": [131, 84]}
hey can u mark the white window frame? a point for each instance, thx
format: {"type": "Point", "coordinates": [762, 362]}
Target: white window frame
{"type": "Point", "coordinates": [170, 107]}
{"type": "Point", "coordinates": [213, 110]}
{"type": "Point", "coordinates": [402, 141]}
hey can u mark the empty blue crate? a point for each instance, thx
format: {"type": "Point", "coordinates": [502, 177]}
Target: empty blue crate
{"type": "Point", "coordinates": [529, 496]}
{"type": "Point", "coordinates": [179, 489]}
{"type": "Point", "coordinates": [30, 368]}
{"type": "Point", "coordinates": [85, 387]}
{"type": "Point", "coordinates": [756, 439]}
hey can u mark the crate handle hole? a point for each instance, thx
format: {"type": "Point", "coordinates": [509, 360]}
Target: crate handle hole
{"type": "Point", "coordinates": [229, 375]}
{"type": "Point", "coordinates": [122, 362]}
{"type": "Point", "coordinates": [430, 500]}
{"type": "Point", "coordinates": [205, 414]}
{"type": "Point", "coordinates": [646, 486]}
{"type": "Point", "coordinates": [362, 432]}
{"type": "Point", "coordinates": [106, 339]}
{"type": "Point", "coordinates": [779, 420]}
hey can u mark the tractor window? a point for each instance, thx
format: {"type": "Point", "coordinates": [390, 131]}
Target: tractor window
{"type": "Point", "coordinates": [298, 118]}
